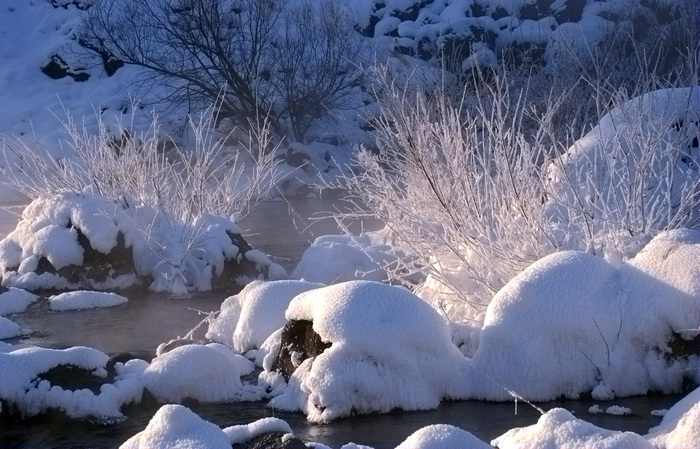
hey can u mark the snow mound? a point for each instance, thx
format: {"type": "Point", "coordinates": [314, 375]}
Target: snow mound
{"type": "Point", "coordinates": [573, 323]}
{"type": "Point", "coordinates": [343, 258]}
{"type": "Point", "coordinates": [442, 436]}
{"type": "Point", "coordinates": [247, 319]}
{"type": "Point", "coordinates": [680, 427]}
{"type": "Point", "coordinates": [9, 329]}
{"type": "Point", "coordinates": [15, 300]}
{"type": "Point", "coordinates": [82, 299]}
{"type": "Point", "coordinates": [246, 432]}
{"type": "Point", "coordinates": [558, 428]}
{"type": "Point", "coordinates": [389, 349]}
{"type": "Point", "coordinates": [176, 426]}
{"type": "Point", "coordinates": [207, 373]}
{"type": "Point", "coordinates": [20, 369]}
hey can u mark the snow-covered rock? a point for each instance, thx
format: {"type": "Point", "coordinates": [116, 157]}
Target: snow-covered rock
{"type": "Point", "coordinates": [15, 300]}
{"type": "Point", "coordinates": [81, 299]}
{"type": "Point", "coordinates": [388, 349]}
{"type": "Point", "coordinates": [442, 436]}
{"type": "Point", "coordinates": [558, 428]}
{"type": "Point", "coordinates": [176, 426]}
{"type": "Point", "coordinates": [207, 373]}
{"type": "Point", "coordinates": [82, 240]}
{"type": "Point", "coordinates": [573, 323]}
{"type": "Point", "coordinates": [680, 427]}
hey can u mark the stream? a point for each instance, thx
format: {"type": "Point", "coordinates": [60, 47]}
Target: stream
{"type": "Point", "coordinates": [148, 319]}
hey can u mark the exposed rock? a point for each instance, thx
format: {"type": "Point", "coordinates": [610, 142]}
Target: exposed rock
{"type": "Point", "coordinates": [57, 68]}
{"type": "Point", "coordinates": [299, 342]}
{"type": "Point", "coordinates": [274, 440]}
{"type": "Point", "coordinates": [70, 377]}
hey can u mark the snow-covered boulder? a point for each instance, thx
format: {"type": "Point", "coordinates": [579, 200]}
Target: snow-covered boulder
{"type": "Point", "coordinates": [442, 436]}
{"type": "Point", "coordinates": [34, 380]}
{"type": "Point", "coordinates": [207, 373]}
{"type": "Point", "coordinates": [574, 323]}
{"type": "Point", "coordinates": [81, 240]}
{"type": "Point", "coordinates": [82, 299]}
{"type": "Point", "coordinates": [15, 300]}
{"type": "Point", "coordinates": [343, 258]}
{"type": "Point", "coordinates": [388, 349]}
{"type": "Point", "coordinates": [559, 428]}
{"type": "Point", "coordinates": [680, 427]}
{"type": "Point", "coordinates": [176, 426]}
{"type": "Point", "coordinates": [247, 319]}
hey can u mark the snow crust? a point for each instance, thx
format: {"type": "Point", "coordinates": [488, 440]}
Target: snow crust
{"type": "Point", "coordinates": [558, 428]}
{"type": "Point", "coordinates": [207, 373]}
{"type": "Point", "coordinates": [389, 349]}
{"type": "Point", "coordinates": [176, 426]}
{"type": "Point", "coordinates": [680, 427]}
{"type": "Point", "coordinates": [81, 299]}
{"type": "Point", "coordinates": [442, 436]}
{"type": "Point", "coordinates": [20, 368]}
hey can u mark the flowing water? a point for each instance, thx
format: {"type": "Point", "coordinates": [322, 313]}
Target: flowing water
{"type": "Point", "coordinates": [147, 320]}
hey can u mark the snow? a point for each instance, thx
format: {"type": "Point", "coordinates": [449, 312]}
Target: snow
{"type": "Point", "coordinates": [680, 427]}
{"type": "Point", "coordinates": [81, 299]}
{"type": "Point", "coordinates": [207, 373]}
{"type": "Point", "coordinates": [176, 426]}
{"type": "Point", "coordinates": [343, 258]}
{"type": "Point", "coordinates": [389, 349]}
{"type": "Point", "coordinates": [15, 300]}
{"type": "Point", "coordinates": [20, 368]}
{"type": "Point", "coordinates": [618, 410]}
{"type": "Point", "coordinates": [9, 329]}
{"type": "Point", "coordinates": [558, 428]}
{"type": "Point", "coordinates": [442, 436]}
{"type": "Point", "coordinates": [572, 321]}
{"type": "Point", "coordinates": [246, 432]}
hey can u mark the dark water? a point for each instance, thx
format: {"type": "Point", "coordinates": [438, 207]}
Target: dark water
{"type": "Point", "coordinates": [147, 320]}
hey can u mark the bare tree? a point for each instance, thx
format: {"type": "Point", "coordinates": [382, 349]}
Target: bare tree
{"type": "Point", "coordinates": [268, 57]}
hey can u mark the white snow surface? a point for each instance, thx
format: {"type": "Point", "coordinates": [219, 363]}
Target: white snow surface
{"type": "Point", "coordinates": [572, 322]}
{"type": "Point", "coordinates": [207, 373]}
{"type": "Point", "coordinates": [247, 319]}
{"type": "Point", "coordinates": [680, 427]}
{"type": "Point", "coordinates": [15, 300]}
{"type": "Point", "coordinates": [19, 370]}
{"type": "Point", "coordinates": [558, 428]}
{"type": "Point", "coordinates": [389, 349]}
{"type": "Point", "coordinates": [176, 426]}
{"type": "Point", "coordinates": [82, 299]}
{"type": "Point", "coordinates": [442, 436]}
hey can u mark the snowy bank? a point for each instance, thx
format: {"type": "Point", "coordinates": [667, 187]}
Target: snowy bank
{"type": "Point", "coordinates": [680, 427]}
{"type": "Point", "coordinates": [81, 240]}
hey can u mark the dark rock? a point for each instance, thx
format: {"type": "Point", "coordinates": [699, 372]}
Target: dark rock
{"type": "Point", "coordinates": [682, 348]}
{"type": "Point", "coordinates": [572, 11]}
{"type": "Point", "coordinates": [57, 68]}
{"type": "Point", "coordinates": [535, 9]}
{"type": "Point", "coordinates": [80, 4]}
{"type": "Point", "coordinates": [271, 440]}
{"type": "Point", "coordinates": [71, 377]}
{"type": "Point", "coordinates": [110, 62]}
{"type": "Point", "coordinates": [239, 269]}
{"type": "Point", "coordinates": [299, 342]}
{"type": "Point", "coordinates": [411, 13]}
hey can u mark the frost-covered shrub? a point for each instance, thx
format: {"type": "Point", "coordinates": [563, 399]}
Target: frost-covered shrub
{"type": "Point", "coordinates": [166, 208]}
{"type": "Point", "coordinates": [475, 192]}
